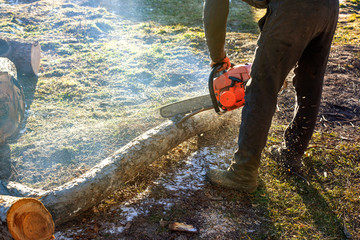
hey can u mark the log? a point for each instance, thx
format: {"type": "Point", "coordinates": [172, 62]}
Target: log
{"type": "Point", "coordinates": [12, 106]}
{"type": "Point", "coordinates": [25, 56]}
{"type": "Point", "coordinates": [24, 219]}
{"type": "Point", "coordinates": [75, 197]}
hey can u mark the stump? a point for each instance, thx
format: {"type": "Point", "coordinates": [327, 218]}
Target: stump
{"type": "Point", "coordinates": [12, 106]}
{"type": "Point", "coordinates": [25, 56]}
{"type": "Point", "coordinates": [24, 219]}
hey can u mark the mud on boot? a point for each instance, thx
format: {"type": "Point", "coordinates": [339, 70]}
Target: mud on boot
{"type": "Point", "coordinates": [229, 180]}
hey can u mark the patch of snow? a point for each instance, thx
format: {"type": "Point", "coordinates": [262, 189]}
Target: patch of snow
{"type": "Point", "coordinates": [22, 131]}
{"type": "Point", "coordinates": [60, 236]}
{"type": "Point", "coordinates": [187, 178]}
{"type": "Point", "coordinates": [115, 230]}
{"type": "Point", "coordinates": [191, 176]}
{"type": "Point", "coordinates": [167, 203]}
{"type": "Point", "coordinates": [130, 213]}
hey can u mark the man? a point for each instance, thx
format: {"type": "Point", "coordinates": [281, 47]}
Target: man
{"type": "Point", "coordinates": [293, 33]}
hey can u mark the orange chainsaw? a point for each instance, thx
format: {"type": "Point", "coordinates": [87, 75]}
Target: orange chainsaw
{"type": "Point", "coordinates": [227, 92]}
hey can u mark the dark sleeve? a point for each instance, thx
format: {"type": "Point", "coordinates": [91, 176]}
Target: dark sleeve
{"type": "Point", "coordinates": [215, 17]}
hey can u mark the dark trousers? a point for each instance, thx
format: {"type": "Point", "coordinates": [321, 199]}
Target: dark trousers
{"type": "Point", "coordinates": [294, 33]}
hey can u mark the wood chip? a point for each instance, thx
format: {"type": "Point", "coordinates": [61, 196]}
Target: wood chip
{"type": "Point", "coordinates": [182, 227]}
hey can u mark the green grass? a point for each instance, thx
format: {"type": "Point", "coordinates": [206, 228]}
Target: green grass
{"type": "Point", "coordinates": [318, 210]}
{"type": "Point", "coordinates": [348, 31]}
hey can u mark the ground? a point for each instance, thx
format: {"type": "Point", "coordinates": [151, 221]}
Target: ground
{"type": "Point", "coordinates": [97, 60]}
{"type": "Point", "coordinates": [181, 194]}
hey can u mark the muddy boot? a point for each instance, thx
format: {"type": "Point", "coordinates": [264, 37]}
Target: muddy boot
{"type": "Point", "coordinates": [228, 179]}
{"type": "Point", "coordinates": [5, 165]}
{"type": "Point", "coordinates": [279, 155]}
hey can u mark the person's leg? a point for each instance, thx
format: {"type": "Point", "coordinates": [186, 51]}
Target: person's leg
{"type": "Point", "coordinates": [308, 82]}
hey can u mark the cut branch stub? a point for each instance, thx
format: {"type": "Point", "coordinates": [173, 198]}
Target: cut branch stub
{"type": "Point", "coordinates": [25, 56]}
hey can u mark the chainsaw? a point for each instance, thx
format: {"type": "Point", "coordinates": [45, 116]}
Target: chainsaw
{"type": "Point", "coordinates": [226, 93]}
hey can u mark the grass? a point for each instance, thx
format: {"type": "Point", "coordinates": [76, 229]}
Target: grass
{"type": "Point", "coordinates": [325, 207]}
{"type": "Point", "coordinates": [348, 27]}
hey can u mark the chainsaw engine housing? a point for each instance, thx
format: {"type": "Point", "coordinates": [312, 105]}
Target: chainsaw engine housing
{"type": "Point", "coordinates": [228, 90]}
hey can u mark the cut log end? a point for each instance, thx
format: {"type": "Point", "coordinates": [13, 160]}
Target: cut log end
{"type": "Point", "coordinates": [28, 219]}
{"type": "Point", "coordinates": [35, 57]}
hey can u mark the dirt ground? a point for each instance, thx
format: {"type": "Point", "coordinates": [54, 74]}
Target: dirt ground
{"type": "Point", "coordinates": [182, 194]}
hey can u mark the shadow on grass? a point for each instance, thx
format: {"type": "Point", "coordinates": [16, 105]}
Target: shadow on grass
{"type": "Point", "coordinates": [261, 200]}
{"type": "Point", "coordinates": [29, 86]}
{"type": "Point", "coordinates": [325, 220]}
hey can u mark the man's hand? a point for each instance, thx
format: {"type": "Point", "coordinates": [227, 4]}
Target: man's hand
{"type": "Point", "coordinates": [226, 64]}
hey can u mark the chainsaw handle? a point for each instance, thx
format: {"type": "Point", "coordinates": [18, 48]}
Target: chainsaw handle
{"type": "Point", "coordinates": [213, 72]}
{"type": "Point", "coordinates": [215, 69]}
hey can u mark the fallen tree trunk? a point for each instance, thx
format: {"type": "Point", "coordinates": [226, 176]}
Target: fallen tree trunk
{"type": "Point", "coordinates": [25, 56]}
{"type": "Point", "coordinates": [24, 219]}
{"type": "Point", "coordinates": [79, 195]}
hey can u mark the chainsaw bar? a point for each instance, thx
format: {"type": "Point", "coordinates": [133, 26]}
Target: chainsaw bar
{"type": "Point", "coordinates": [186, 106]}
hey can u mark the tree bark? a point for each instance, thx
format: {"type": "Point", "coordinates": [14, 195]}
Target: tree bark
{"type": "Point", "coordinates": [79, 195]}
{"type": "Point", "coordinates": [25, 56]}
{"type": "Point", "coordinates": [24, 219]}
{"type": "Point", "coordinates": [12, 106]}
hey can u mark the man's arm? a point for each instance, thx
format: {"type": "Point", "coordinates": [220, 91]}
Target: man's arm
{"type": "Point", "coordinates": [215, 17]}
